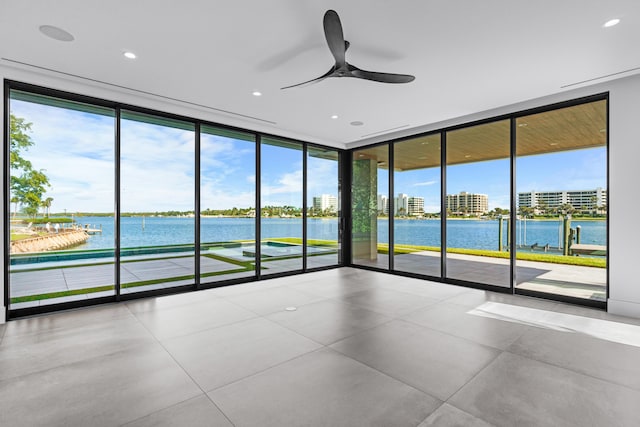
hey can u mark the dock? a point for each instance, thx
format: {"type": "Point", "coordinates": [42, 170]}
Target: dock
{"type": "Point", "coordinates": [586, 249]}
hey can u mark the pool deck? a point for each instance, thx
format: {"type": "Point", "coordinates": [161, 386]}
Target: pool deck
{"type": "Point", "coordinates": [575, 281]}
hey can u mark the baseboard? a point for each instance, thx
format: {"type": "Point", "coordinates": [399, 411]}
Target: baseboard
{"type": "Point", "coordinates": [623, 308]}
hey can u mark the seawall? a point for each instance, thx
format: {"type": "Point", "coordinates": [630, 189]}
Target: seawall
{"type": "Point", "coordinates": [50, 242]}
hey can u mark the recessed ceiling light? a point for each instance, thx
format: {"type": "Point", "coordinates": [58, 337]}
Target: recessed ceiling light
{"type": "Point", "coordinates": [611, 23]}
{"type": "Point", "coordinates": [553, 143]}
{"type": "Point", "coordinates": [256, 93]}
{"type": "Point", "coordinates": [522, 125]}
{"type": "Point", "coordinates": [467, 156]}
{"type": "Point", "coordinates": [56, 33]}
{"type": "Point", "coordinates": [357, 123]}
{"type": "Point", "coordinates": [335, 116]}
{"type": "Point", "coordinates": [129, 54]}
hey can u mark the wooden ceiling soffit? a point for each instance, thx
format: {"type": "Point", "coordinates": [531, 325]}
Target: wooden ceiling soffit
{"type": "Point", "coordinates": [565, 129]}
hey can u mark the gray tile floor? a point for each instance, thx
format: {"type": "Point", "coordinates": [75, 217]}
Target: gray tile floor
{"type": "Point", "coordinates": [361, 348]}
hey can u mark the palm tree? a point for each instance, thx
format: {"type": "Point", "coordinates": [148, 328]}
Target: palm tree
{"type": "Point", "coordinates": [15, 200]}
{"type": "Point", "coordinates": [46, 203]}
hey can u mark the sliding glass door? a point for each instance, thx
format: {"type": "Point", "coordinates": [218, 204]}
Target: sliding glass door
{"type": "Point", "coordinates": [228, 204]}
{"type": "Point", "coordinates": [416, 223]}
{"type": "Point", "coordinates": [477, 201]}
{"type": "Point", "coordinates": [281, 172]}
{"type": "Point", "coordinates": [61, 189]}
{"type": "Point", "coordinates": [323, 207]}
{"type": "Point", "coordinates": [561, 232]}
{"type": "Point", "coordinates": [157, 194]}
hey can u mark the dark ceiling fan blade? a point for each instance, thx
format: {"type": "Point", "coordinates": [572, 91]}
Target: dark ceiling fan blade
{"type": "Point", "coordinates": [334, 36]}
{"type": "Point", "coordinates": [381, 77]}
{"type": "Point", "coordinates": [316, 80]}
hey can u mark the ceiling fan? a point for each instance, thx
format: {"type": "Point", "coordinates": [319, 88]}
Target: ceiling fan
{"type": "Point", "coordinates": [338, 47]}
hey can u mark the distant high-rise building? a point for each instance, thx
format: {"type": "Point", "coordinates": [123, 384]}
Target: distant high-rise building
{"type": "Point", "coordinates": [415, 206]}
{"type": "Point", "coordinates": [474, 204]}
{"type": "Point", "coordinates": [383, 204]}
{"type": "Point", "coordinates": [325, 203]}
{"type": "Point", "coordinates": [401, 205]}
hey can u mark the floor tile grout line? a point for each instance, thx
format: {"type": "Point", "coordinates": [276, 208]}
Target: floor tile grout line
{"type": "Point", "coordinates": [255, 316]}
{"type": "Point", "coordinates": [173, 406]}
{"type": "Point", "coordinates": [181, 368]}
{"type": "Point", "coordinates": [637, 390]}
{"type": "Point", "coordinates": [386, 374]}
{"type": "Point", "coordinates": [187, 374]}
{"type": "Point", "coordinates": [220, 409]}
{"type": "Point", "coordinates": [278, 311]}
{"type": "Point", "coordinates": [489, 363]}
{"type": "Point", "coordinates": [213, 390]}
{"type": "Point", "coordinates": [48, 315]}
{"type": "Point", "coordinates": [394, 315]}
{"type": "Point", "coordinates": [413, 322]}
{"type": "Point", "coordinates": [228, 324]}
{"type": "Point", "coordinates": [75, 362]}
{"type": "Point", "coordinates": [390, 319]}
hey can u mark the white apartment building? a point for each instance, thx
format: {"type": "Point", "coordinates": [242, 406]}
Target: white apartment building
{"type": "Point", "coordinates": [401, 205]}
{"type": "Point", "coordinates": [474, 204]}
{"type": "Point", "coordinates": [416, 206]}
{"type": "Point", "coordinates": [383, 204]}
{"type": "Point", "coordinates": [579, 199]}
{"type": "Point", "coordinates": [408, 205]}
{"type": "Point", "coordinates": [325, 202]}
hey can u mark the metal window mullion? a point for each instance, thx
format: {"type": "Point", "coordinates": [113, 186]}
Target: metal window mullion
{"type": "Point", "coordinates": [258, 217]}
{"type": "Point", "coordinates": [512, 214]}
{"type": "Point", "coordinates": [392, 210]}
{"type": "Point", "coordinates": [197, 206]}
{"type": "Point", "coordinates": [117, 202]}
{"type": "Point", "coordinates": [304, 207]}
{"type": "Point", "coordinates": [443, 205]}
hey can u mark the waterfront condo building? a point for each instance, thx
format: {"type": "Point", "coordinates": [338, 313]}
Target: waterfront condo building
{"type": "Point", "coordinates": [578, 199]}
{"type": "Point", "coordinates": [325, 203]}
{"type": "Point", "coordinates": [470, 203]}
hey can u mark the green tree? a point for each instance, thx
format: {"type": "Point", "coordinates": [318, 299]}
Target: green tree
{"type": "Point", "coordinates": [27, 184]}
{"type": "Point", "coordinates": [29, 189]}
{"type": "Point", "coordinates": [46, 203]}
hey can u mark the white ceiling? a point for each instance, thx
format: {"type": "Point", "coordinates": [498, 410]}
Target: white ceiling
{"type": "Point", "coordinates": [468, 56]}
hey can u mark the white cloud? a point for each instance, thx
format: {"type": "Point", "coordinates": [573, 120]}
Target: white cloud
{"type": "Point", "coordinates": [424, 184]}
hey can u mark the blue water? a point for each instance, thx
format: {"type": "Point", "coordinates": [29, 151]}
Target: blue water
{"type": "Point", "coordinates": [479, 234]}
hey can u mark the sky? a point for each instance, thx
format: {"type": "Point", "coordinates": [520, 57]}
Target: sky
{"type": "Point", "coordinates": [76, 151]}
{"type": "Point", "coordinates": [569, 170]}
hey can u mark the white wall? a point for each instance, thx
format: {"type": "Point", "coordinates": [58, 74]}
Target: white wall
{"type": "Point", "coordinates": [624, 175]}
{"type": "Point", "coordinates": [624, 162]}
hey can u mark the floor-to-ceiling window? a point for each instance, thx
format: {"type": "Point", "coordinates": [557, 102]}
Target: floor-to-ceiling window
{"type": "Point", "coordinates": [478, 189]}
{"type": "Point", "coordinates": [61, 189]}
{"type": "Point", "coordinates": [281, 172]}
{"type": "Point", "coordinates": [228, 204]}
{"type": "Point", "coordinates": [106, 201]}
{"type": "Point", "coordinates": [561, 181]}
{"type": "Point", "coordinates": [157, 215]}
{"type": "Point", "coordinates": [323, 207]}
{"type": "Point", "coordinates": [370, 207]}
{"type": "Point", "coordinates": [416, 183]}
